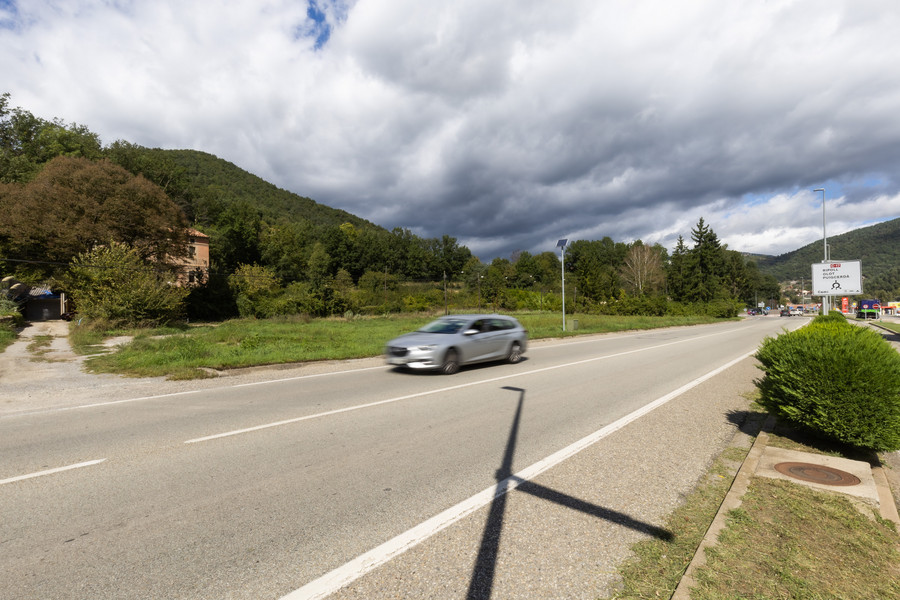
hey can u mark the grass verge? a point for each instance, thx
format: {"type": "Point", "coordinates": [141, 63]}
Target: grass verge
{"type": "Point", "coordinates": [785, 541]}
{"type": "Point", "coordinates": [895, 327]}
{"type": "Point", "coordinates": [190, 351]}
{"type": "Point", "coordinates": [789, 541]}
{"type": "Point", "coordinates": [658, 565]}
{"type": "Point", "coordinates": [7, 337]}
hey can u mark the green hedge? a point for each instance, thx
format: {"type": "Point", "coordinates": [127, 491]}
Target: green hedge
{"type": "Point", "coordinates": [837, 379]}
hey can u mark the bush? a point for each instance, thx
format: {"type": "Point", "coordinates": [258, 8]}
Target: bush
{"type": "Point", "coordinates": [836, 379]}
{"type": "Point", "coordinates": [831, 317]}
{"type": "Point", "coordinates": [652, 306]}
{"type": "Point", "coordinates": [720, 309]}
{"type": "Point", "coordinates": [10, 309]}
{"type": "Point", "coordinates": [112, 283]}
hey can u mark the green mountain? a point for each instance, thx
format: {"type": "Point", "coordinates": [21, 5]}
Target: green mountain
{"type": "Point", "coordinates": [205, 184]}
{"type": "Point", "coordinates": [877, 247]}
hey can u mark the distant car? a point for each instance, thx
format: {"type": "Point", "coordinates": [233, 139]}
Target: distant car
{"type": "Point", "coordinates": [785, 312]}
{"type": "Point", "coordinates": [796, 312]}
{"type": "Point", "coordinates": [449, 342]}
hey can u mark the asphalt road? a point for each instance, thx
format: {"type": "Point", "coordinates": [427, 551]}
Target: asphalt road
{"type": "Point", "coordinates": [255, 490]}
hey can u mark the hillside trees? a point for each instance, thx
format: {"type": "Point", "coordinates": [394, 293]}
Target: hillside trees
{"type": "Point", "coordinates": [28, 142]}
{"type": "Point", "coordinates": [885, 286]}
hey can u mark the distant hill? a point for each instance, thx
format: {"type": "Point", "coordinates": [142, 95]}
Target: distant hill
{"type": "Point", "coordinates": [206, 171]}
{"type": "Point", "coordinates": [876, 246]}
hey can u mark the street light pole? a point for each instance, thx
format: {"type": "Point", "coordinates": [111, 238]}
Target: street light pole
{"type": "Point", "coordinates": [561, 244]}
{"type": "Point", "coordinates": [825, 299]}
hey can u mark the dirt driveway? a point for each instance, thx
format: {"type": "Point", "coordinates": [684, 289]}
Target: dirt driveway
{"type": "Point", "coordinates": [39, 371]}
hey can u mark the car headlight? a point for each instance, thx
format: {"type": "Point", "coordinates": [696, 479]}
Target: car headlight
{"type": "Point", "coordinates": [425, 347]}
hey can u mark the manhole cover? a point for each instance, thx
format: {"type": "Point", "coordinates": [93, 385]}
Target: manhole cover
{"type": "Point", "coordinates": [816, 473]}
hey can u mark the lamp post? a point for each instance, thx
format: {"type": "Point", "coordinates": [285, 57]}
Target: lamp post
{"type": "Point", "coordinates": [561, 244]}
{"type": "Point", "coordinates": [825, 299]}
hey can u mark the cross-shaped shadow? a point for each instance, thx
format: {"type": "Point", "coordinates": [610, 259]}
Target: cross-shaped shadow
{"type": "Point", "coordinates": [482, 581]}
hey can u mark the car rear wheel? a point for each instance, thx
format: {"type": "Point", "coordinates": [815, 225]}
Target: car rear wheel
{"type": "Point", "coordinates": [515, 353]}
{"type": "Point", "coordinates": [451, 362]}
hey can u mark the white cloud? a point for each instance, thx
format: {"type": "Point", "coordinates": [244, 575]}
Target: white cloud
{"type": "Point", "coordinates": [506, 124]}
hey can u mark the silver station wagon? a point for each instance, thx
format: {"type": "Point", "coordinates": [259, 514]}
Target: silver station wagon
{"type": "Point", "coordinates": [450, 342]}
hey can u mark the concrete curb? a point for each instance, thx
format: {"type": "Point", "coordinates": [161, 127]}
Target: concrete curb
{"type": "Point", "coordinates": [732, 500]}
{"type": "Point", "coordinates": [887, 507]}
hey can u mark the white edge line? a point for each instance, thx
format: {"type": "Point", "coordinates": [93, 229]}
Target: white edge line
{"type": "Point", "coordinates": [52, 471]}
{"type": "Point", "coordinates": [356, 568]}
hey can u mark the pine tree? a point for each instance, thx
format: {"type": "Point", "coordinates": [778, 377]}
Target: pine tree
{"type": "Point", "coordinates": [706, 265]}
{"type": "Point", "coordinates": [677, 271]}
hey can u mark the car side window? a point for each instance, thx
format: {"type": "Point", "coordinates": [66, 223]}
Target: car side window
{"type": "Point", "coordinates": [500, 324]}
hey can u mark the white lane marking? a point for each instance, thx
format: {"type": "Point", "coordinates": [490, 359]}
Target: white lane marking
{"type": "Point", "coordinates": [184, 393]}
{"type": "Point", "coordinates": [51, 471]}
{"type": "Point", "coordinates": [438, 391]}
{"type": "Point", "coordinates": [333, 581]}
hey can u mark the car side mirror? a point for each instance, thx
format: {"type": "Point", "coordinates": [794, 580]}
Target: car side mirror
{"type": "Point", "coordinates": [470, 332]}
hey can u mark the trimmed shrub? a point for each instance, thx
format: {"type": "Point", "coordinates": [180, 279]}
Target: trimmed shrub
{"type": "Point", "coordinates": [836, 379]}
{"type": "Point", "coordinates": [833, 316]}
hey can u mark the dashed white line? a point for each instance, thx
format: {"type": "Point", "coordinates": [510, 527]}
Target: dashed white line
{"type": "Point", "coordinates": [51, 471]}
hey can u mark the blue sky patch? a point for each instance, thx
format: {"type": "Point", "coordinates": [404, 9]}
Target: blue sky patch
{"type": "Point", "coordinates": [320, 29]}
{"type": "Point", "coordinates": [9, 13]}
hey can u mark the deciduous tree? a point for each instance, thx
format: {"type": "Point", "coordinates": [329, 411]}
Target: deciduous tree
{"type": "Point", "coordinates": [75, 204]}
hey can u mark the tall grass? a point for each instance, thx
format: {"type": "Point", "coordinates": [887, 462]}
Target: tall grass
{"type": "Point", "coordinates": [238, 343]}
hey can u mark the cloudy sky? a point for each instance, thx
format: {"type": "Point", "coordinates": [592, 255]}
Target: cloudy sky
{"type": "Point", "coordinates": [507, 124]}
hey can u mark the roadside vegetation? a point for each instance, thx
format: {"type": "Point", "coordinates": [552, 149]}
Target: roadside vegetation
{"type": "Point", "coordinates": [892, 326]}
{"type": "Point", "coordinates": [789, 541]}
{"type": "Point", "coordinates": [835, 390]}
{"type": "Point", "coordinates": [777, 544]}
{"type": "Point", "coordinates": [10, 320]}
{"type": "Point", "coordinates": [193, 351]}
{"type": "Point", "coordinates": [658, 565]}
{"type": "Point", "coordinates": [836, 379]}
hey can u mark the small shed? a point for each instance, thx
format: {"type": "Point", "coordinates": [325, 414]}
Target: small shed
{"type": "Point", "coordinates": [44, 305]}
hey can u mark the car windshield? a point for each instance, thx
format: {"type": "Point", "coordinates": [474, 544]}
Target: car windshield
{"type": "Point", "coordinates": [445, 326]}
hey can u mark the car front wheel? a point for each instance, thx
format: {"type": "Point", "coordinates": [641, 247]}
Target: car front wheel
{"type": "Point", "coordinates": [515, 353]}
{"type": "Point", "coordinates": [451, 363]}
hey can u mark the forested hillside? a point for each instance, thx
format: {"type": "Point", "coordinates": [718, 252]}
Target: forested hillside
{"type": "Point", "coordinates": [876, 246]}
{"type": "Point", "coordinates": [208, 184]}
